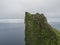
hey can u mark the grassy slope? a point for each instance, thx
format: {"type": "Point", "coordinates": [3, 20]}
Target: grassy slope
{"type": "Point", "coordinates": [58, 35]}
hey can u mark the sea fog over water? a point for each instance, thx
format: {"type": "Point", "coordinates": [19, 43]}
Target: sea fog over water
{"type": "Point", "coordinates": [14, 33]}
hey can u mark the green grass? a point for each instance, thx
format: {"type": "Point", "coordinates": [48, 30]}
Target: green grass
{"type": "Point", "coordinates": [39, 32]}
{"type": "Point", "coordinates": [57, 32]}
{"type": "Point", "coordinates": [58, 35]}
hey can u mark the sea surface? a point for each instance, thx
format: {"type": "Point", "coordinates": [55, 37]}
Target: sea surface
{"type": "Point", "coordinates": [55, 25]}
{"type": "Point", "coordinates": [13, 33]}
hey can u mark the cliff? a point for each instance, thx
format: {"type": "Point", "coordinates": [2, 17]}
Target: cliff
{"type": "Point", "coordinates": [38, 31]}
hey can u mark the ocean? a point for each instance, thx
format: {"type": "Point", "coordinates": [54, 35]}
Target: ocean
{"type": "Point", "coordinates": [55, 25]}
{"type": "Point", "coordinates": [13, 33]}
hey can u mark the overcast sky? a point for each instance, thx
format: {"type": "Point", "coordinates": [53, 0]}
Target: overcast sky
{"type": "Point", "coordinates": [17, 8]}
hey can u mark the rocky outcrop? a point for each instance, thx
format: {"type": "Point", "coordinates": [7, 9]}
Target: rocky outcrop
{"type": "Point", "coordinates": [38, 31]}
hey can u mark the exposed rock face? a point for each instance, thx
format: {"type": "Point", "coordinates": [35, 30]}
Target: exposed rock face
{"type": "Point", "coordinates": [38, 31]}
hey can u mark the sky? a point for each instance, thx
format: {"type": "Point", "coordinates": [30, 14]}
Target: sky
{"type": "Point", "coordinates": [15, 9]}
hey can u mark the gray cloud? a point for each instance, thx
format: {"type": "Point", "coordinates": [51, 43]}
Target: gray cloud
{"type": "Point", "coordinates": [50, 8]}
{"type": "Point", "coordinates": [17, 8]}
{"type": "Point", "coordinates": [10, 9]}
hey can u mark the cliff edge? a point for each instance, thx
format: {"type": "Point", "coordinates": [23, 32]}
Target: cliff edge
{"type": "Point", "coordinates": [38, 31]}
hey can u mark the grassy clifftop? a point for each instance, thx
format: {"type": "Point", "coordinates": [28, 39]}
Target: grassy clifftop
{"type": "Point", "coordinates": [38, 31]}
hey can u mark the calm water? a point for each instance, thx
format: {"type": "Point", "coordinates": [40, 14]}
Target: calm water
{"type": "Point", "coordinates": [13, 33]}
{"type": "Point", "coordinates": [55, 25]}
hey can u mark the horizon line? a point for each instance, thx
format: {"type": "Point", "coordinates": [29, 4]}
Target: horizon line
{"type": "Point", "coordinates": [20, 21]}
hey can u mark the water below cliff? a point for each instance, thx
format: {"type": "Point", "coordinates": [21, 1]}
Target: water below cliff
{"type": "Point", "coordinates": [13, 33]}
